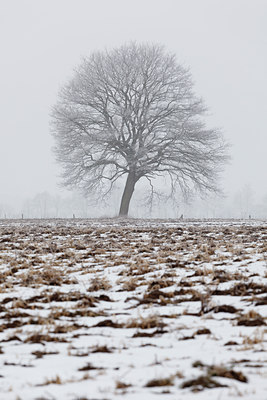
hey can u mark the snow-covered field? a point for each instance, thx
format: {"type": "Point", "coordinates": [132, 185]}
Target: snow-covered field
{"type": "Point", "coordinates": [129, 309]}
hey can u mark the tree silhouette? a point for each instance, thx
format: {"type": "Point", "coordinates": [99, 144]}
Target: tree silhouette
{"type": "Point", "coordinates": [132, 112]}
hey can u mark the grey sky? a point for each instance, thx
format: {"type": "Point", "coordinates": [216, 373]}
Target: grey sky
{"type": "Point", "coordinates": [223, 41]}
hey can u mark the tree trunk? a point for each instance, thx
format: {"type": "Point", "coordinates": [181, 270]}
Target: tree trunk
{"type": "Point", "coordinates": [127, 194]}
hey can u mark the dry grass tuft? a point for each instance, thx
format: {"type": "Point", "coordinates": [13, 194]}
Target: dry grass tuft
{"type": "Point", "coordinates": [40, 354]}
{"type": "Point", "coordinates": [130, 284]}
{"type": "Point", "coordinates": [160, 382]}
{"type": "Point", "coordinates": [227, 373]}
{"type": "Point", "coordinates": [200, 383]}
{"type": "Point", "coordinates": [211, 372]}
{"type": "Point", "coordinates": [98, 283]}
{"type": "Point", "coordinates": [256, 338]}
{"type": "Point", "coordinates": [88, 367]}
{"type": "Point", "coordinates": [251, 319]}
{"type": "Point", "coordinates": [44, 276]}
{"type": "Point", "coordinates": [122, 385]}
{"type": "Point", "coordinates": [101, 349]}
{"type": "Point", "coordinates": [152, 321]}
{"type": "Point", "coordinates": [40, 338]}
{"type": "Point", "coordinates": [51, 381]}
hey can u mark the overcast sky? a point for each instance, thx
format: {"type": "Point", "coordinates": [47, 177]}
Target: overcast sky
{"type": "Point", "coordinates": [224, 42]}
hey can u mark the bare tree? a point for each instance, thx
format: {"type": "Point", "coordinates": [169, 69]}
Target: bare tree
{"type": "Point", "coordinates": [132, 112]}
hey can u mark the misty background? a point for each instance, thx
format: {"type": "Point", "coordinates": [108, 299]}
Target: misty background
{"type": "Point", "coordinates": [224, 42]}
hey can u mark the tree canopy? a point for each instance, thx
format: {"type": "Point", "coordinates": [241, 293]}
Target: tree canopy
{"type": "Point", "coordinates": [132, 112]}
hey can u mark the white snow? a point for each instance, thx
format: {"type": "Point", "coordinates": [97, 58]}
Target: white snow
{"type": "Point", "coordinates": [161, 282]}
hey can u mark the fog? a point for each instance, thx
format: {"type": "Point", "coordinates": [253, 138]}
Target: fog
{"type": "Point", "coordinates": [223, 42]}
